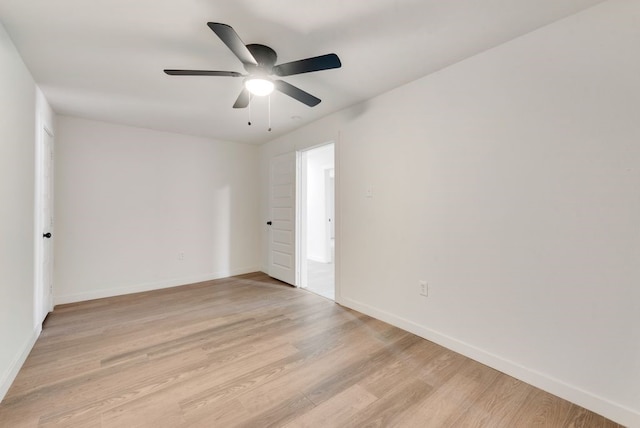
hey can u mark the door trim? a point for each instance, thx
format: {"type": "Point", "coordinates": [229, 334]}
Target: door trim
{"type": "Point", "coordinates": [301, 214]}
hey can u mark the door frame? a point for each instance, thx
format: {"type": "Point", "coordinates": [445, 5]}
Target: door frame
{"type": "Point", "coordinates": [330, 203]}
{"type": "Point", "coordinates": [301, 213]}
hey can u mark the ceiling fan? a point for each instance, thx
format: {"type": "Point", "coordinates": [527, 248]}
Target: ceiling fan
{"type": "Point", "coordinates": [259, 62]}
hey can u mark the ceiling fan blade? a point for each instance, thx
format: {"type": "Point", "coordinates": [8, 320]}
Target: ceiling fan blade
{"type": "Point", "coordinates": [243, 99]}
{"type": "Point", "coordinates": [323, 62]}
{"type": "Point", "coordinates": [202, 73]}
{"type": "Point", "coordinates": [296, 93]}
{"type": "Point", "coordinates": [230, 38]}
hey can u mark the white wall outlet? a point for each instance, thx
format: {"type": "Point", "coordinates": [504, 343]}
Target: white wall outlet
{"type": "Point", "coordinates": [424, 288]}
{"type": "Point", "coordinates": [180, 256]}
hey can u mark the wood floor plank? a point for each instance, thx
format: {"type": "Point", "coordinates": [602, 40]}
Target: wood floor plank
{"type": "Point", "coordinates": [281, 414]}
{"type": "Point", "coordinates": [498, 405]}
{"type": "Point", "coordinates": [337, 410]}
{"type": "Point", "coordinates": [304, 378]}
{"type": "Point", "coordinates": [345, 377]}
{"type": "Point", "coordinates": [542, 409]}
{"type": "Point", "coordinates": [144, 412]}
{"type": "Point", "coordinates": [399, 401]}
{"type": "Point", "coordinates": [259, 388]}
{"type": "Point", "coordinates": [228, 415]}
{"type": "Point", "coordinates": [380, 382]}
{"type": "Point", "coordinates": [251, 351]}
{"type": "Point", "coordinates": [466, 384]}
{"type": "Point", "coordinates": [173, 387]}
{"type": "Point", "coordinates": [581, 418]}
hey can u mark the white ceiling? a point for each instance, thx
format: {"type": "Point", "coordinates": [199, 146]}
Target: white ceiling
{"type": "Point", "coordinates": [103, 59]}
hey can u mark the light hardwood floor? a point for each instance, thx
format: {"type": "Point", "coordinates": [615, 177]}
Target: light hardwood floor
{"type": "Point", "coordinates": [250, 351]}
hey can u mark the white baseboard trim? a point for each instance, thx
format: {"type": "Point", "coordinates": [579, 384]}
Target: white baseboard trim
{"type": "Point", "coordinates": [149, 286]}
{"type": "Point", "coordinates": [616, 412]}
{"type": "Point", "coordinates": [10, 375]}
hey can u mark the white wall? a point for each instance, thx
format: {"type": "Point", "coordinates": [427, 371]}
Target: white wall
{"type": "Point", "coordinates": [19, 111]}
{"type": "Point", "coordinates": [509, 182]}
{"type": "Point", "coordinates": [318, 161]}
{"type": "Point", "coordinates": [130, 200]}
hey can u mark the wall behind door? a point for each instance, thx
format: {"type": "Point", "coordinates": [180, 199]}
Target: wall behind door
{"type": "Point", "coordinates": [138, 209]}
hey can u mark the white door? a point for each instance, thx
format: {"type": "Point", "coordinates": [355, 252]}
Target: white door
{"type": "Point", "coordinates": [282, 221]}
{"type": "Point", "coordinates": [44, 301]}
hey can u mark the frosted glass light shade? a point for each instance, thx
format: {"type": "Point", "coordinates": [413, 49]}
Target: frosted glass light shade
{"type": "Point", "coordinates": [258, 86]}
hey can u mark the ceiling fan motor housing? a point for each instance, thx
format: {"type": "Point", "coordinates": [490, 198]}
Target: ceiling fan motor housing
{"type": "Point", "coordinates": [265, 56]}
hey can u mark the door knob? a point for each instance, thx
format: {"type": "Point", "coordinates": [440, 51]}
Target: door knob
{"type": "Point", "coordinates": [46, 235]}
{"type": "Point", "coordinates": [269, 223]}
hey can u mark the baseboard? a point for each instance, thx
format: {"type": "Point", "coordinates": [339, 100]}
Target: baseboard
{"type": "Point", "coordinates": [616, 412]}
{"type": "Point", "coordinates": [10, 375]}
{"type": "Point", "coordinates": [149, 286]}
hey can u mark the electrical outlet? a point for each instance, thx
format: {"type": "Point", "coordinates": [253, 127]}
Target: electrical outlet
{"type": "Point", "coordinates": [424, 288]}
{"type": "Point", "coordinates": [180, 256]}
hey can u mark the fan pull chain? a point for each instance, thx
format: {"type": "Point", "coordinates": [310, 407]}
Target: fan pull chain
{"type": "Point", "coordinates": [250, 110]}
{"type": "Point", "coordinates": [269, 113]}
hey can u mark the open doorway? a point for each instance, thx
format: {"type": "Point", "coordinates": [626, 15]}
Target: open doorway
{"type": "Point", "coordinates": [316, 220]}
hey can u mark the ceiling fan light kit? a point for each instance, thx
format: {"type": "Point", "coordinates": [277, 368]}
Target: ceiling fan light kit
{"type": "Point", "coordinates": [259, 86]}
{"type": "Point", "coordinates": [259, 62]}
